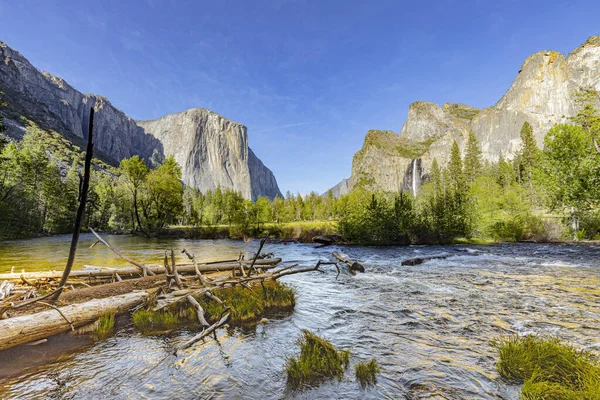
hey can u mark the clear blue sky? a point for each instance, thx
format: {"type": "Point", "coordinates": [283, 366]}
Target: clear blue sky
{"type": "Point", "coordinates": [308, 78]}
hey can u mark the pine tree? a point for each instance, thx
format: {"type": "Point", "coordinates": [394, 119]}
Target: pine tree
{"type": "Point", "coordinates": [506, 173]}
{"type": "Point", "coordinates": [529, 156]}
{"type": "Point", "coordinates": [588, 116]}
{"type": "Point", "coordinates": [473, 163]}
{"type": "Point", "coordinates": [455, 168]}
{"type": "Point", "coordinates": [436, 177]}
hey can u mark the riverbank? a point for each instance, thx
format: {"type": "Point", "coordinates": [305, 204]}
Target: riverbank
{"type": "Point", "coordinates": [298, 231]}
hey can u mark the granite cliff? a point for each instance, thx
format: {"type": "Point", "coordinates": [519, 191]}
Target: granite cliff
{"type": "Point", "coordinates": [212, 150]}
{"type": "Point", "coordinates": [542, 94]}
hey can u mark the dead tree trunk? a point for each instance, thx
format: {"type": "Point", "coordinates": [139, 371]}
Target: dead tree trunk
{"type": "Point", "coordinates": [82, 200]}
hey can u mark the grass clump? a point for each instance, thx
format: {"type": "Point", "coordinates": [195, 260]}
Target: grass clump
{"type": "Point", "coordinates": [319, 360]}
{"type": "Point", "coordinates": [247, 306]}
{"type": "Point", "coordinates": [548, 368]}
{"type": "Point", "coordinates": [154, 321]}
{"type": "Point", "coordinates": [366, 373]}
{"type": "Point", "coordinates": [104, 326]}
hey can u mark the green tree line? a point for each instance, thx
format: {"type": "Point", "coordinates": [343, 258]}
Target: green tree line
{"type": "Point", "coordinates": [504, 200]}
{"type": "Point", "coordinates": [468, 197]}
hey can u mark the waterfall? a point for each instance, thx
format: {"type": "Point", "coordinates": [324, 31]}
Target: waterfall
{"type": "Point", "coordinates": [414, 177]}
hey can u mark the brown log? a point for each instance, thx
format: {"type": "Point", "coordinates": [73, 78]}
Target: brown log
{"type": "Point", "coordinates": [32, 327]}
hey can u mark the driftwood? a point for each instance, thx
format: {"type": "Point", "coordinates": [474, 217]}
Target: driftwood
{"type": "Point", "coordinates": [192, 257]}
{"type": "Point", "coordinates": [421, 260]}
{"type": "Point", "coordinates": [353, 265]}
{"type": "Point", "coordinates": [199, 310]}
{"type": "Point", "coordinates": [32, 327]}
{"type": "Point", "coordinates": [262, 243]}
{"type": "Point", "coordinates": [204, 333]}
{"type": "Point", "coordinates": [134, 271]}
{"type": "Point", "coordinates": [145, 271]}
{"type": "Point", "coordinates": [5, 289]}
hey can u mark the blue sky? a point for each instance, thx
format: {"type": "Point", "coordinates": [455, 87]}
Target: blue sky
{"type": "Point", "coordinates": [308, 78]}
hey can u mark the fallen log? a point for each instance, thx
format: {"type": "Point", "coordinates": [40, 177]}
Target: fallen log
{"type": "Point", "coordinates": [28, 328]}
{"type": "Point", "coordinates": [129, 271]}
{"type": "Point", "coordinates": [421, 260]}
{"type": "Point", "coordinates": [353, 265]}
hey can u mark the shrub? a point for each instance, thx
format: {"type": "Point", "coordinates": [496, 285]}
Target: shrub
{"type": "Point", "coordinates": [366, 373]}
{"type": "Point", "coordinates": [319, 360]}
{"type": "Point", "coordinates": [548, 368]}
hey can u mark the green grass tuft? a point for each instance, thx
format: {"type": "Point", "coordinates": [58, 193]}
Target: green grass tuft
{"type": "Point", "coordinates": [549, 368]}
{"type": "Point", "coordinates": [366, 373]}
{"type": "Point", "coordinates": [319, 360]}
{"type": "Point", "coordinates": [148, 321]}
{"type": "Point", "coordinates": [247, 306]}
{"type": "Point", "coordinates": [104, 326]}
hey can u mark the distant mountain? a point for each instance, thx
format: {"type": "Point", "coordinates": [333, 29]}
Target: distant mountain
{"type": "Point", "coordinates": [542, 94]}
{"type": "Point", "coordinates": [212, 150]}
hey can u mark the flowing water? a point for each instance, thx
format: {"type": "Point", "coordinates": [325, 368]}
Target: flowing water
{"type": "Point", "coordinates": [429, 325]}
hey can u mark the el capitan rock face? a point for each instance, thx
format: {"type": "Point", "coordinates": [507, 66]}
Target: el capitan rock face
{"type": "Point", "coordinates": [542, 94]}
{"type": "Point", "coordinates": [212, 150]}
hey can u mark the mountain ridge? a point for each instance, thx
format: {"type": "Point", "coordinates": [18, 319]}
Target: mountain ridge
{"type": "Point", "coordinates": [541, 94]}
{"type": "Point", "coordinates": [53, 103]}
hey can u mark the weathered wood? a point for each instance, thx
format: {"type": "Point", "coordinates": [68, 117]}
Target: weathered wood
{"type": "Point", "coordinates": [128, 271]}
{"type": "Point", "coordinates": [262, 243]}
{"type": "Point", "coordinates": [199, 310]}
{"type": "Point", "coordinates": [204, 333]}
{"type": "Point", "coordinates": [192, 257]}
{"type": "Point", "coordinates": [143, 269]}
{"type": "Point", "coordinates": [174, 268]}
{"type": "Point", "coordinates": [83, 195]}
{"type": "Point", "coordinates": [32, 327]}
{"type": "Point", "coordinates": [353, 265]}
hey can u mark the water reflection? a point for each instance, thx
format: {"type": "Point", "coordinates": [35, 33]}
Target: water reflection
{"type": "Point", "coordinates": [429, 325]}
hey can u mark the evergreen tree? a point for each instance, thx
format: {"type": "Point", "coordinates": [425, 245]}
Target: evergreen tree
{"type": "Point", "coordinates": [505, 172]}
{"type": "Point", "coordinates": [588, 115]}
{"type": "Point", "coordinates": [455, 168]}
{"type": "Point", "coordinates": [473, 163]}
{"type": "Point", "coordinates": [528, 156]}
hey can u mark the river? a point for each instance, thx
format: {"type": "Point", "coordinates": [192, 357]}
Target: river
{"type": "Point", "coordinates": [429, 325]}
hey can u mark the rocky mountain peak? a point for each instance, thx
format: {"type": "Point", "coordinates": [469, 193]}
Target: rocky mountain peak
{"type": "Point", "coordinates": [541, 94]}
{"type": "Point", "coordinates": [212, 150]}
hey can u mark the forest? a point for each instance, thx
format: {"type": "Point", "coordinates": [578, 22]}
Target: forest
{"type": "Point", "coordinates": [540, 195]}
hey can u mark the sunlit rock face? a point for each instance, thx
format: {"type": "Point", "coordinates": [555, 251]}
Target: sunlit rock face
{"type": "Point", "coordinates": [542, 94]}
{"type": "Point", "coordinates": [52, 103]}
{"type": "Point", "coordinates": [212, 150]}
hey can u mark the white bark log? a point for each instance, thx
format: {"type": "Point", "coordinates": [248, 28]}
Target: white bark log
{"type": "Point", "coordinates": [31, 327]}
